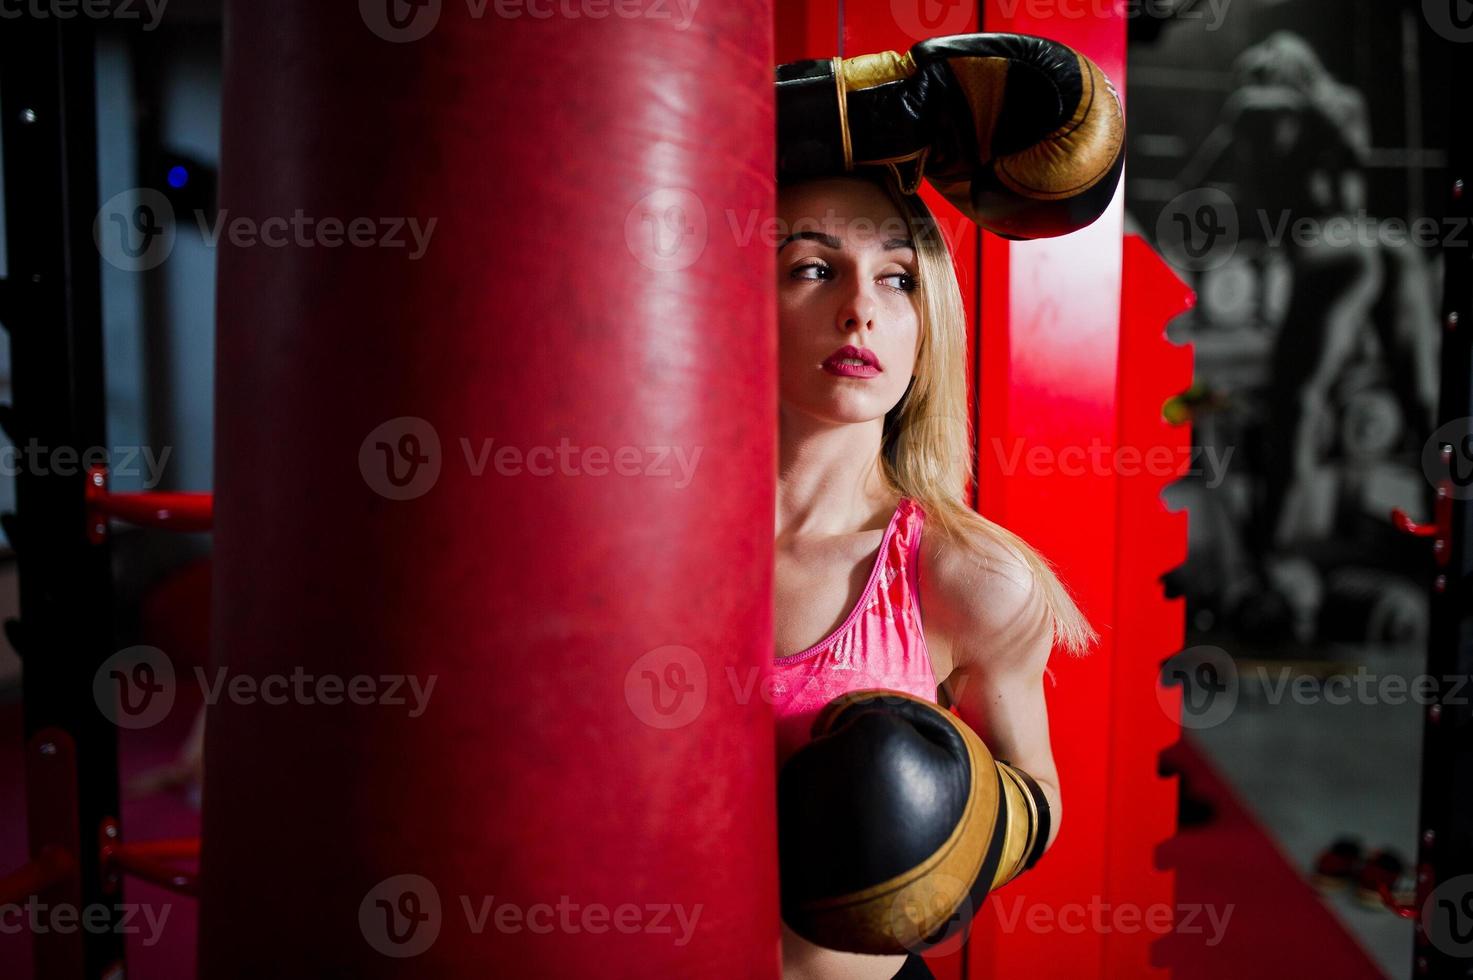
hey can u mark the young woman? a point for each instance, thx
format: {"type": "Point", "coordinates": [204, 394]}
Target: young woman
{"type": "Point", "coordinates": [885, 578]}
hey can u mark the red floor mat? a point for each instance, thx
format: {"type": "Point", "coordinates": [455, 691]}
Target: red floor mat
{"type": "Point", "coordinates": [1277, 926]}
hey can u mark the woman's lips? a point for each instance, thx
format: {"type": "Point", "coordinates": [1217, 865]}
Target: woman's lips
{"type": "Point", "coordinates": [852, 362]}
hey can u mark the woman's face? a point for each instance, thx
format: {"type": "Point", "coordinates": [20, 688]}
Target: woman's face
{"type": "Point", "coordinates": [848, 303]}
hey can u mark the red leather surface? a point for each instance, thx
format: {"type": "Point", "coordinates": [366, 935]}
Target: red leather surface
{"type": "Point", "coordinates": [536, 314]}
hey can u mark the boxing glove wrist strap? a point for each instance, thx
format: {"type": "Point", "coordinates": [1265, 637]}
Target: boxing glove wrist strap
{"type": "Point", "coordinates": [843, 103]}
{"type": "Point", "coordinates": [1029, 822]}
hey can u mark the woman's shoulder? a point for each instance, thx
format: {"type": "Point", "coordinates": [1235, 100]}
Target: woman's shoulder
{"type": "Point", "coordinates": [979, 591]}
{"type": "Point", "coordinates": [964, 556]}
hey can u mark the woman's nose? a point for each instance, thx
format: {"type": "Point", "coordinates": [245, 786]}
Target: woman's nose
{"type": "Point", "coordinates": [857, 312]}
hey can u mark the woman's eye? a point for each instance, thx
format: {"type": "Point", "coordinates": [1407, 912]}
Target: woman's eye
{"type": "Point", "coordinates": [814, 271]}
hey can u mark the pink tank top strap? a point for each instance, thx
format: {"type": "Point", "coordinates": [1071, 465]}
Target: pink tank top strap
{"type": "Point", "coordinates": [879, 645]}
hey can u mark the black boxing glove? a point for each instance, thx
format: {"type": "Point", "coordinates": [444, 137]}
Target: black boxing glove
{"type": "Point", "coordinates": [1023, 135]}
{"type": "Point", "coordinates": [893, 820]}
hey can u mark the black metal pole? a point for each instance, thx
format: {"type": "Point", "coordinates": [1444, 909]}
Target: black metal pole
{"type": "Point", "coordinates": [1444, 935]}
{"type": "Point", "coordinates": [51, 306]}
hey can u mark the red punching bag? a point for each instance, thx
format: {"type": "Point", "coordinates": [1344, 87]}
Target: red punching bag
{"type": "Point", "coordinates": [494, 492]}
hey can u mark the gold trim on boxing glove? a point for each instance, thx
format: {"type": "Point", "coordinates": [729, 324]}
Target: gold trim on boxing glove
{"type": "Point", "coordinates": [869, 70]}
{"type": "Point", "coordinates": [1022, 825]}
{"type": "Point", "coordinates": [843, 95]}
{"type": "Point", "coordinates": [1077, 155]}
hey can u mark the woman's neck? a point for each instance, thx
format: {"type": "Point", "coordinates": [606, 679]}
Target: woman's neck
{"type": "Point", "coordinates": [828, 477]}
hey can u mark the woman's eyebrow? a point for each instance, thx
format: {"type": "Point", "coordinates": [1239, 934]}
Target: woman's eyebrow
{"type": "Point", "coordinates": [889, 245]}
{"type": "Point", "coordinates": [815, 236]}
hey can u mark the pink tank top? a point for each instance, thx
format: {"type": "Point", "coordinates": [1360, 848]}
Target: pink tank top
{"type": "Point", "coordinates": [880, 644]}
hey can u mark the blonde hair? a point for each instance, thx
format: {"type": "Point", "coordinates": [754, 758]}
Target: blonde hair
{"type": "Point", "coordinates": [926, 449]}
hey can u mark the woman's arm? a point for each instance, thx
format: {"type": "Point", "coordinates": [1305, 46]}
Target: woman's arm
{"type": "Point", "coordinates": [990, 625]}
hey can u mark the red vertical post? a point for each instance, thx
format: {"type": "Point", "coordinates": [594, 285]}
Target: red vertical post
{"type": "Point", "coordinates": [497, 443]}
{"type": "Point", "coordinates": [1149, 627]}
{"type": "Point", "coordinates": [1048, 431]}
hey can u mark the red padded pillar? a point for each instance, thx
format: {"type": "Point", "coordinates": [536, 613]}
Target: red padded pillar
{"type": "Point", "coordinates": [512, 437]}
